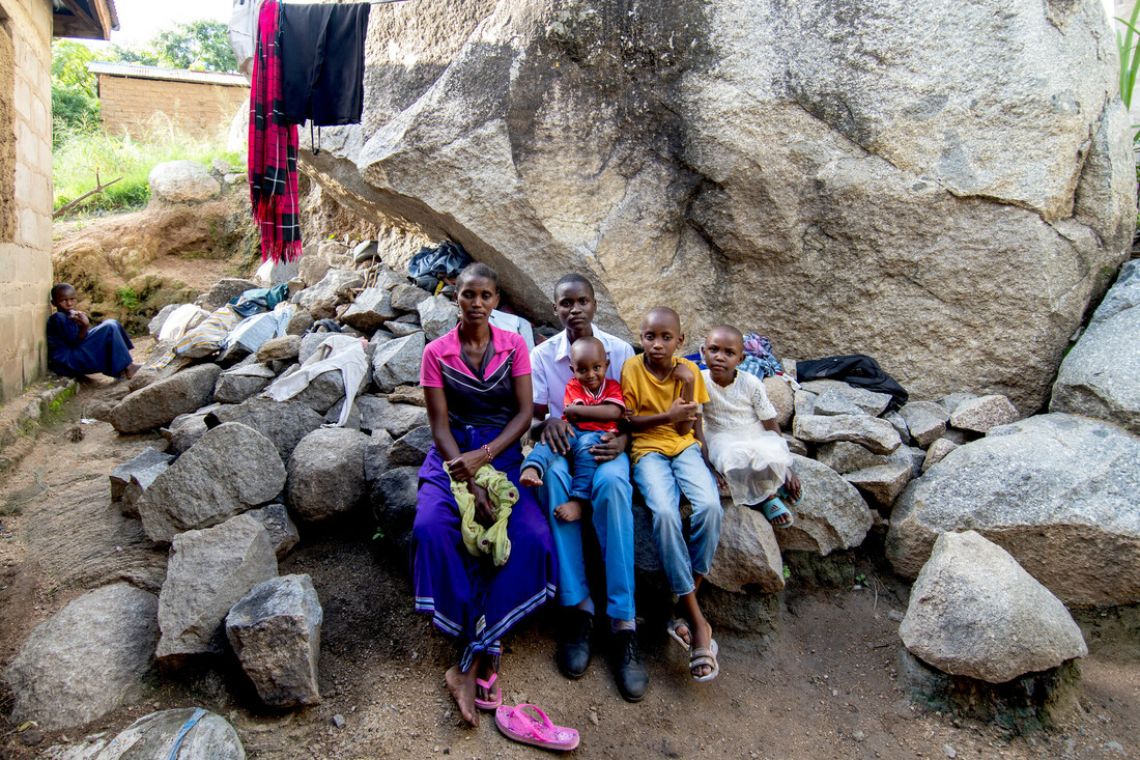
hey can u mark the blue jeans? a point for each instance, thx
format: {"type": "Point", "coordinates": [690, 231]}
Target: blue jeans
{"type": "Point", "coordinates": [581, 485]}
{"type": "Point", "coordinates": [612, 497]}
{"type": "Point", "coordinates": [662, 480]}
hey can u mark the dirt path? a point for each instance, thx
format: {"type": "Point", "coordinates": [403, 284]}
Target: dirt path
{"type": "Point", "coordinates": [824, 686]}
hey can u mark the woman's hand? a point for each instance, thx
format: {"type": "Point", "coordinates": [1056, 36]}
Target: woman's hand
{"type": "Point", "coordinates": [484, 512]}
{"type": "Point", "coordinates": [609, 446]}
{"type": "Point", "coordinates": [556, 434]}
{"type": "Point", "coordinates": [464, 466]}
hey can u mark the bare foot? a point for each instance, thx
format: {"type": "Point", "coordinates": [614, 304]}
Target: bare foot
{"type": "Point", "coordinates": [487, 669]}
{"type": "Point", "coordinates": [702, 639]}
{"type": "Point", "coordinates": [571, 511]}
{"type": "Point", "coordinates": [530, 477]}
{"type": "Point", "coordinates": [462, 688]}
{"type": "Point", "coordinates": [131, 370]}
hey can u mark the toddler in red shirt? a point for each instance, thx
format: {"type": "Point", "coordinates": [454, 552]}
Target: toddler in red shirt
{"type": "Point", "coordinates": [594, 404]}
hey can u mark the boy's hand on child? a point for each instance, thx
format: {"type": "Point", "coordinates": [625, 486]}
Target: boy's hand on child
{"type": "Point", "coordinates": [682, 373]}
{"type": "Point", "coordinates": [556, 434]}
{"type": "Point", "coordinates": [608, 447]}
{"type": "Point", "coordinates": [682, 411]}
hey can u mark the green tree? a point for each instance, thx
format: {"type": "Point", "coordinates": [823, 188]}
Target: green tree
{"type": "Point", "coordinates": [198, 45]}
{"type": "Point", "coordinates": [74, 99]}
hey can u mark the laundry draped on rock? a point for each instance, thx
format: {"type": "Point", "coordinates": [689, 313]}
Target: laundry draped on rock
{"type": "Point", "coordinates": [341, 353]}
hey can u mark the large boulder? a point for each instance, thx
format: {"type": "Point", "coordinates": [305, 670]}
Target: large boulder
{"type": "Point", "coordinates": [231, 469]}
{"type": "Point", "coordinates": [283, 422]}
{"type": "Point", "coordinates": [397, 362]}
{"type": "Point", "coordinates": [1100, 377]}
{"type": "Point", "coordinates": [86, 660]}
{"type": "Point", "coordinates": [1057, 491]}
{"type": "Point", "coordinates": [962, 191]}
{"type": "Point", "coordinates": [275, 631]}
{"type": "Point", "coordinates": [747, 556]}
{"type": "Point", "coordinates": [326, 474]}
{"type": "Point", "coordinates": [182, 182]}
{"type": "Point", "coordinates": [198, 733]}
{"type": "Point", "coordinates": [159, 403]}
{"type": "Point", "coordinates": [335, 287]}
{"type": "Point", "coordinates": [208, 571]}
{"type": "Point", "coordinates": [239, 383]}
{"type": "Point", "coordinates": [879, 436]}
{"type": "Point", "coordinates": [975, 612]}
{"type": "Point", "coordinates": [830, 516]}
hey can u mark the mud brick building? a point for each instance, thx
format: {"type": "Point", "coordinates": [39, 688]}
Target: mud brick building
{"type": "Point", "coordinates": [26, 31]}
{"type": "Point", "coordinates": [199, 103]}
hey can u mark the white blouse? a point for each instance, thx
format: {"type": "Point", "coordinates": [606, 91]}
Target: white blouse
{"type": "Point", "coordinates": [742, 405]}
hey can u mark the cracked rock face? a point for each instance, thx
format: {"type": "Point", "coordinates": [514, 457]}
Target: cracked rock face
{"type": "Point", "coordinates": [804, 168]}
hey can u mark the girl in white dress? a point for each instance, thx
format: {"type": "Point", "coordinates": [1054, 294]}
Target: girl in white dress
{"type": "Point", "coordinates": [744, 442]}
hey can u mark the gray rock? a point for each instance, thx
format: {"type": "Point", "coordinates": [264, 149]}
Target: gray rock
{"type": "Point", "coordinates": [372, 308]}
{"type": "Point", "coordinates": [393, 495]}
{"type": "Point", "coordinates": [975, 612]}
{"type": "Point", "coordinates": [366, 250]}
{"type": "Point", "coordinates": [1056, 491]}
{"type": "Point", "coordinates": [832, 403]}
{"type": "Point", "coordinates": [299, 323]}
{"type": "Point", "coordinates": [187, 429]}
{"type": "Point", "coordinates": [951, 401]}
{"type": "Point", "coordinates": [397, 362]}
{"type": "Point", "coordinates": [139, 482]}
{"type": "Point", "coordinates": [159, 403]}
{"type": "Point", "coordinates": [407, 394]}
{"type": "Point", "coordinates": [309, 345]}
{"type": "Point", "coordinates": [275, 631]}
{"type": "Point", "coordinates": [376, 413]}
{"type": "Point", "coordinates": [899, 424]}
{"type": "Point", "coordinates": [283, 534]}
{"type": "Point", "coordinates": [1100, 376]}
{"type": "Point", "coordinates": [224, 291]}
{"type": "Point", "coordinates": [882, 484]}
{"type": "Point", "coordinates": [335, 288]}
{"type": "Point", "coordinates": [182, 182]}
{"type": "Point", "coordinates": [845, 457]}
{"type": "Point", "coordinates": [402, 329]}
{"type": "Point", "coordinates": [412, 448]}
{"type": "Point", "coordinates": [285, 348]}
{"type": "Point", "coordinates": [437, 315]}
{"type": "Point", "coordinates": [826, 246]}
{"type": "Point", "coordinates": [804, 403]}
{"type": "Point", "coordinates": [231, 469]}
{"type": "Point", "coordinates": [747, 557]}
{"type": "Point", "coordinates": [209, 570]}
{"type": "Point", "coordinates": [121, 476]}
{"type": "Point", "coordinates": [795, 445]}
{"type": "Point", "coordinates": [981, 414]}
{"type": "Point", "coordinates": [154, 327]}
{"type": "Point", "coordinates": [868, 402]}
{"type": "Point", "coordinates": [85, 661]}
{"type": "Point", "coordinates": [407, 297]}
{"type": "Point", "coordinates": [376, 455]}
{"type": "Point", "coordinates": [926, 421]}
{"type": "Point", "coordinates": [325, 390]}
{"type": "Point", "coordinates": [937, 452]}
{"type": "Point", "coordinates": [241, 382]}
{"type": "Point", "coordinates": [831, 514]}
{"type": "Point", "coordinates": [283, 422]}
{"type": "Point", "coordinates": [877, 435]}
{"type": "Point", "coordinates": [152, 736]}
{"type": "Point", "coordinates": [782, 397]}
{"type": "Point", "coordinates": [326, 474]}
{"type": "Point", "coordinates": [314, 266]}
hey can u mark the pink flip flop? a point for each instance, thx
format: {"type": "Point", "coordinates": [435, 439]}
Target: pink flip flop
{"type": "Point", "coordinates": [496, 699]}
{"type": "Point", "coordinates": [528, 724]}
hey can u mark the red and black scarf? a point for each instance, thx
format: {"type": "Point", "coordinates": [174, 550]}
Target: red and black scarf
{"type": "Point", "coordinates": [273, 147]}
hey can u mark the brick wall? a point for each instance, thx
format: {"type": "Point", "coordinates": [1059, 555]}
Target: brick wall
{"type": "Point", "coordinates": [203, 110]}
{"type": "Point", "coordinates": [25, 184]}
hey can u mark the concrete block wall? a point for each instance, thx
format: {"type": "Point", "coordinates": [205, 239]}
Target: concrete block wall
{"type": "Point", "coordinates": [130, 104]}
{"type": "Point", "coordinates": [25, 235]}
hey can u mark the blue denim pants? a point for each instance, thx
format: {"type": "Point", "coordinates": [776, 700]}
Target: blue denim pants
{"type": "Point", "coordinates": [662, 480]}
{"type": "Point", "coordinates": [583, 464]}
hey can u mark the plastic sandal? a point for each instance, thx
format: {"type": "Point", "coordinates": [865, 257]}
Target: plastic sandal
{"type": "Point", "coordinates": [773, 508]}
{"type": "Point", "coordinates": [496, 699]}
{"type": "Point", "coordinates": [703, 656]}
{"type": "Point", "coordinates": [528, 724]}
{"type": "Point", "coordinates": [671, 629]}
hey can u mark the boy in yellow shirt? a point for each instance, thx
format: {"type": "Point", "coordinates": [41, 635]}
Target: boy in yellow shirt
{"type": "Point", "coordinates": [663, 393]}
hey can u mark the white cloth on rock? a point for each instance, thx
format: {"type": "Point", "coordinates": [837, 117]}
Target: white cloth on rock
{"type": "Point", "coordinates": [755, 461]}
{"type": "Point", "coordinates": [336, 353]}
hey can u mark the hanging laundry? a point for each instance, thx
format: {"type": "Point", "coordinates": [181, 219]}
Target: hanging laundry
{"type": "Point", "coordinates": [272, 147]}
{"type": "Point", "coordinates": [323, 75]}
{"type": "Point", "coordinates": [243, 32]}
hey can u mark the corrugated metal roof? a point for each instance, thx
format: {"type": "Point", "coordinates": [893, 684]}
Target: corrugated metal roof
{"type": "Point", "coordinates": [138, 71]}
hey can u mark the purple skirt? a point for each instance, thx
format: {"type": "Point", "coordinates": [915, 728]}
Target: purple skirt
{"type": "Point", "coordinates": [468, 597]}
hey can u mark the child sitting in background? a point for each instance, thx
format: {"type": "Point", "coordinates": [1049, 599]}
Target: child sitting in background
{"type": "Point", "coordinates": [663, 392]}
{"type": "Point", "coordinates": [75, 348]}
{"type": "Point", "coordinates": [745, 445]}
{"type": "Point", "coordinates": [593, 405]}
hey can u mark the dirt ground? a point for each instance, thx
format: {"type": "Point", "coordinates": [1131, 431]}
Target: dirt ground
{"type": "Point", "coordinates": [824, 685]}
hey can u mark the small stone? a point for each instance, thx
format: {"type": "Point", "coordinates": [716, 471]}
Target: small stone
{"type": "Point", "coordinates": [437, 315]}
{"type": "Point", "coordinates": [882, 484]}
{"type": "Point", "coordinates": [926, 421]}
{"type": "Point", "coordinates": [283, 533]}
{"type": "Point", "coordinates": [397, 362]}
{"type": "Point", "coordinates": [804, 403]}
{"type": "Point", "coordinates": [875, 434]}
{"type": "Point", "coordinates": [937, 452]}
{"type": "Point", "coordinates": [858, 735]}
{"type": "Point", "coordinates": [299, 323]}
{"type": "Point", "coordinates": [949, 751]}
{"type": "Point", "coordinates": [980, 415]}
{"type": "Point", "coordinates": [237, 384]}
{"type": "Point", "coordinates": [286, 347]}
{"type": "Point", "coordinates": [402, 329]}
{"type": "Point", "coordinates": [372, 307]}
{"type": "Point", "coordinates": [832, 403]}
{"type": "Point", "coordinates": [407, 297]}
{"type": "Point", "coordinates": [147, 460]}
{"type": "Point", "coordinates": [339, 721]}
{"type": "Point", "coordinates": [412, 448]}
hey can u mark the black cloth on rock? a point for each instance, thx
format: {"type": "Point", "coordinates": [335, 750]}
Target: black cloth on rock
{"type": "Point", "coordinates": [322, 50]}
{"type": "Point", "coordinates": [858, 370]}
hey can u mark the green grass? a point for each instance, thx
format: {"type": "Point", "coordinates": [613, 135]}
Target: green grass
{"type": "Point", "coordinates": [76, 160]}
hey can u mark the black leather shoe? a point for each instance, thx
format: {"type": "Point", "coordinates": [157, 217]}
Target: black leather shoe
{"type": "Point", "coordinates": [573, 650]}
{"type": "Point", "coordinates": [625, 661]}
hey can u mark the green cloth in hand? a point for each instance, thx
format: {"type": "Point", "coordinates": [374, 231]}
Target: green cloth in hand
{"type": "Point", "coordinates": [492, 540]}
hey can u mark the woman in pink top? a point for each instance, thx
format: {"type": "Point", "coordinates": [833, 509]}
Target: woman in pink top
{"type": "Point", "coordinates": [477, 384]}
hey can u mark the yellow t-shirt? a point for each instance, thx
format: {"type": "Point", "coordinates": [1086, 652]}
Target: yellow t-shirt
{"type": "Point", "coordinates": [645, 395]}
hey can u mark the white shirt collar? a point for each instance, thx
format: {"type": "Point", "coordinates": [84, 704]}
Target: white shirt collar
{"type": "Point", "coordinates": [562, 345]}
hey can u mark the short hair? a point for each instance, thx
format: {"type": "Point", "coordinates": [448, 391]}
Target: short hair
{"type": "Point", "coordinates": [664, 310]}
{"type": "Point", "coordinates": [573, 279]}
{"type": "Point", "coordinates": [590, 341]}
{"type": "Point", "coordinates": [59, 287]}
{"type": "Point", "coordinates": [481, 270]}
{"type": "Point", "coordinates": [730, 330]}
